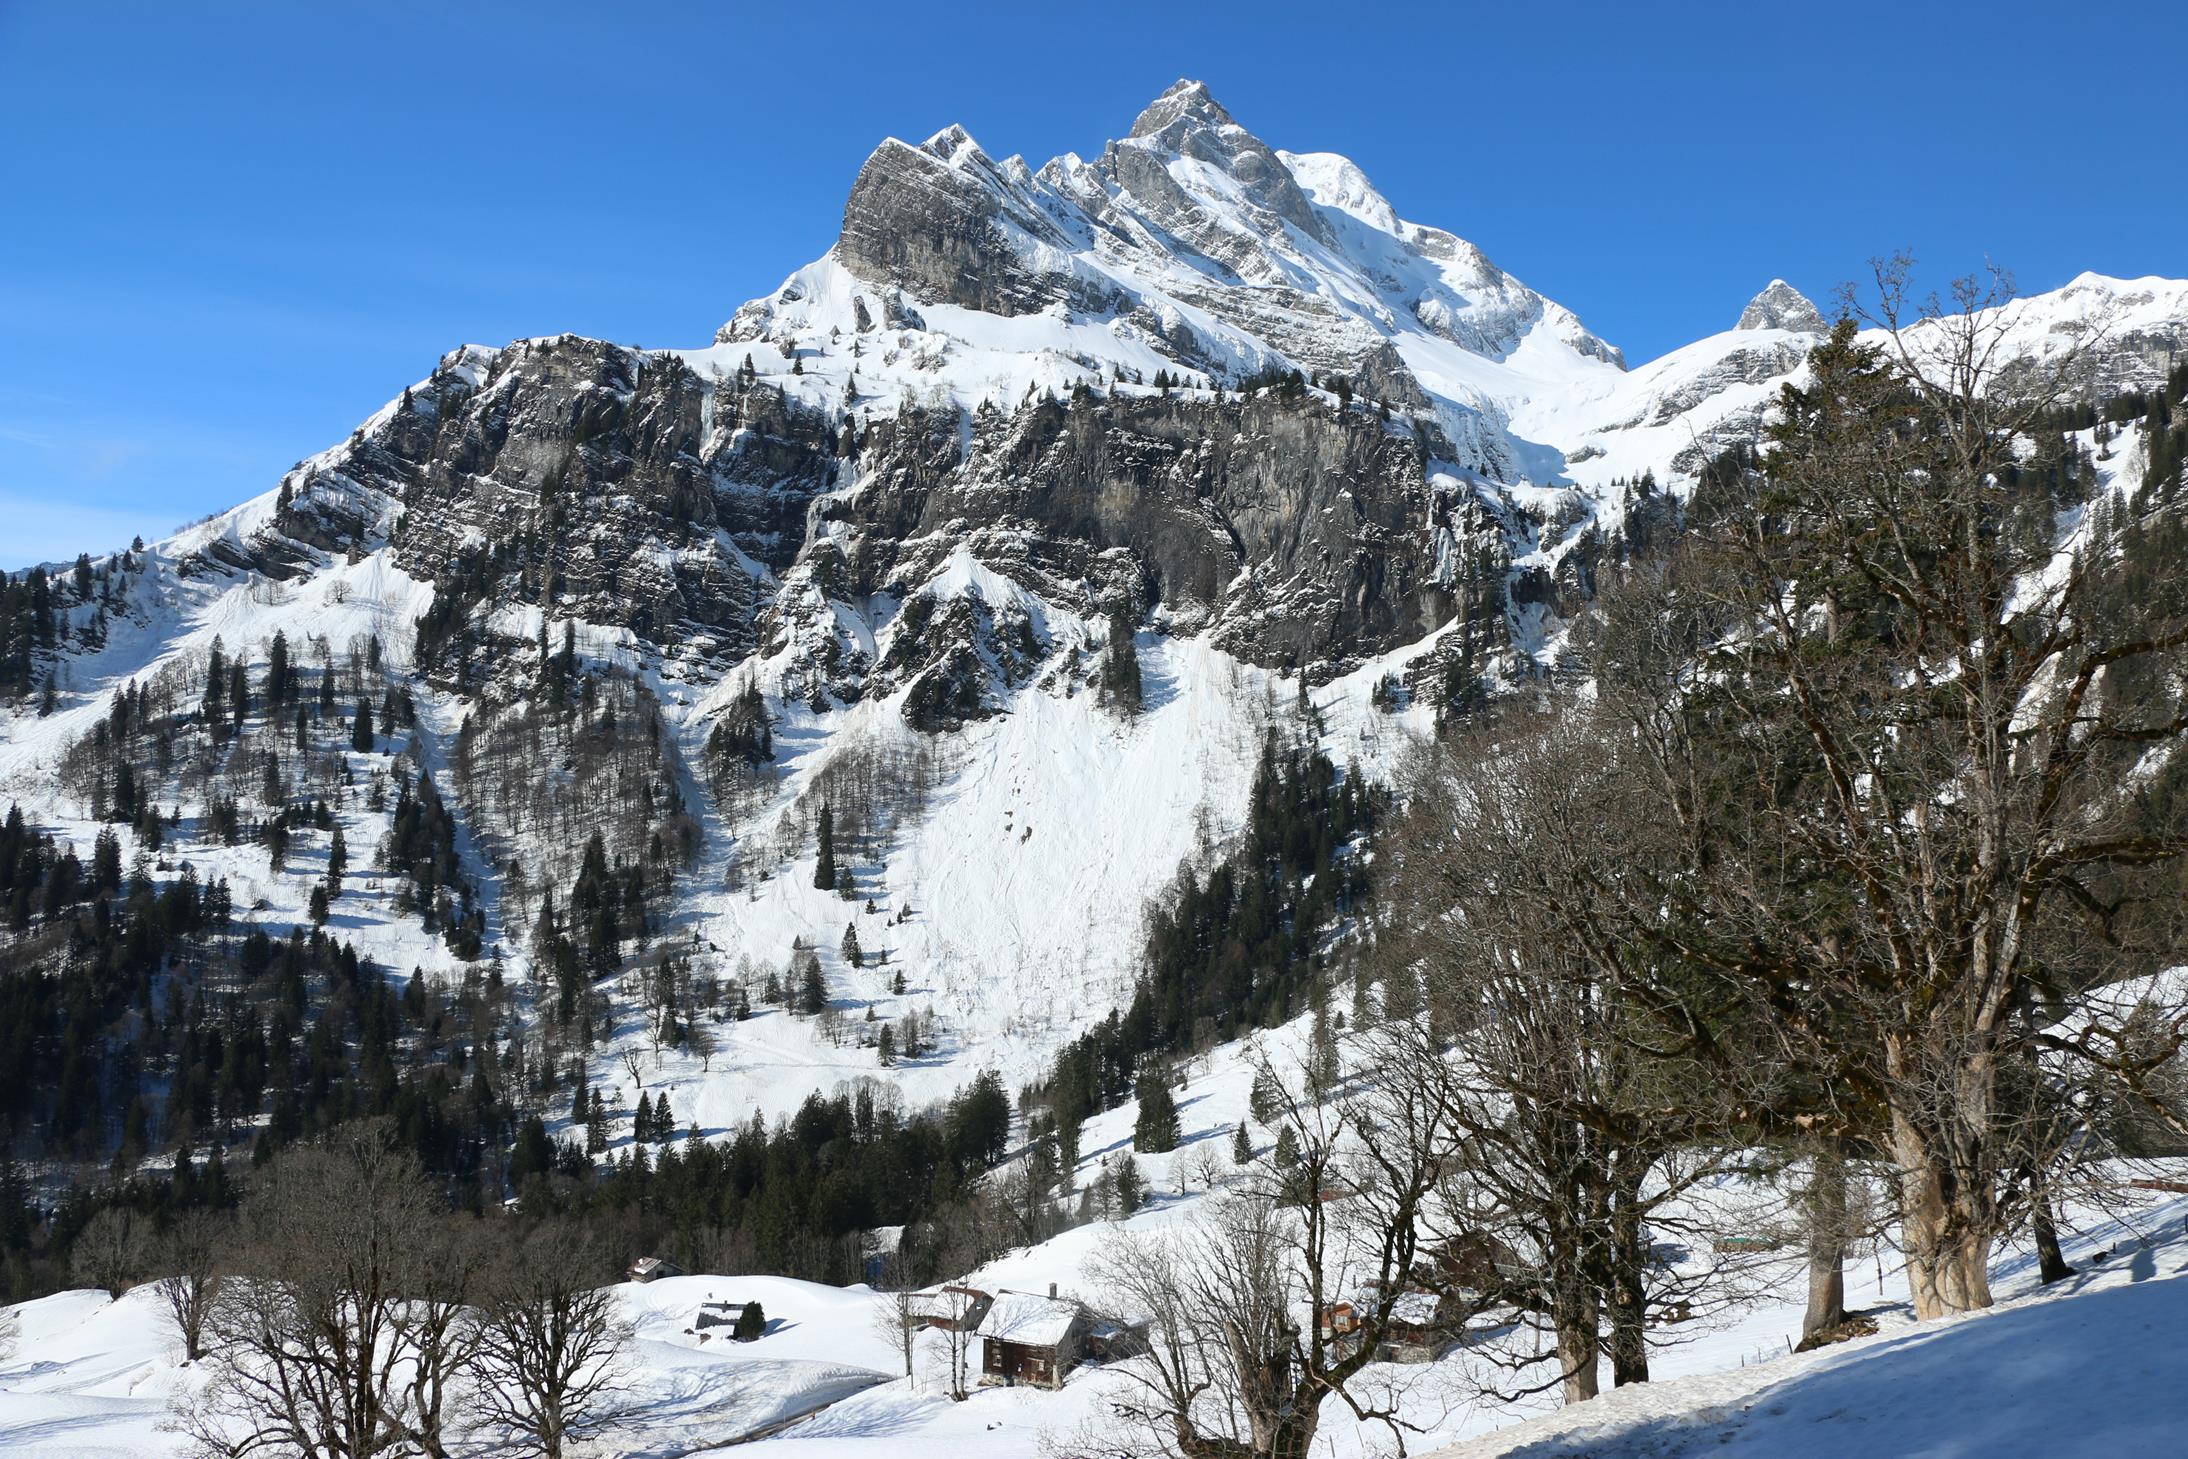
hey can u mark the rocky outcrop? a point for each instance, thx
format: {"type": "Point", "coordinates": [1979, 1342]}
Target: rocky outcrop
{"type": "Point", "coordinates": [1781, 306]}
{"type": "Point", "coordinates": [1188, 399]}
{"type": "Point", "coordinates": [1299, 532]}
{"type": "Point", "coordinates": [942, 222]}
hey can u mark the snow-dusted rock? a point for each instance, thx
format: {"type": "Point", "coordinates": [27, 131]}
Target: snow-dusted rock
{"type": "Point", "coordinates": [1781, 306]}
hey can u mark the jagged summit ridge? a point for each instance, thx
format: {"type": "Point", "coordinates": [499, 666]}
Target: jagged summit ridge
{"type": "Point", "coordinates": [1781, 306]}
{"type": "Point", "coordinates": [1237, 256]}
{"type": "Point", "coordinates": [1185, 100]}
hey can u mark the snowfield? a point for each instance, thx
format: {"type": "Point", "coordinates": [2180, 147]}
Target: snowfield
{"type": "Point", "coordinates": [1011, 900]}
{"type": "Point", "coordinates": [2087, 1368]}
{"type": "Point", "coordinates": [2079, 1369]}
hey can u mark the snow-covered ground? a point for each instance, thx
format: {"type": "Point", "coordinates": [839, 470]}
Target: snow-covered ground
{"type": "Point", "coordinates": [2089, 1367]}
{"type": "Point", "coordinates": [1024, 880]}
{"type": "Point", "coordinates": [2077, 1369]}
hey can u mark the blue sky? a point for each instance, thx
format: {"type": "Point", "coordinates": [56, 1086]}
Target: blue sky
{"type": "Point", "coordinates": [228, 232]}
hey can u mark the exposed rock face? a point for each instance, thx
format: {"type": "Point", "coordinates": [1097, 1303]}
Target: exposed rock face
{"type": "Point", "coordinates": [943, 222]}
{"type": "Point", "coordinates": [1781, 306]}
{"type": "Point", "coordinates": [1201, 385]}
{"type": "Point", "coordinates": [593, 481]}
{"type": "Point", "coordinates": [1300, 533]}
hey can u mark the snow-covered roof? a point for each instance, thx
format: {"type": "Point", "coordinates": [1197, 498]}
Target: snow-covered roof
{"type": "Point", "coordinates": [1415, 1309]}
{"type": "Point", "coordinates": [1021, 1317]}
{"type": "Point", "coordinates": [954, 1302]}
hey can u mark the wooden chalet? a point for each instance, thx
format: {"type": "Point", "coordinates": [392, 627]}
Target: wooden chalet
{"type": "Point", "coordinates": [1474, 1263]}
{"type": "Point", "coordinates": [1421, 1325]}
{"type": "Point", "coordinates": [652, 1268]}
{"type": "Point", "coordinates": [1030, 1339]}
{"type": "Point", "coordinates": [948, 1308]}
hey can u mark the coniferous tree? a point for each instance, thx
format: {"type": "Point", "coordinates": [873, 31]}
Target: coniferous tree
{"type": "Point", "coordinates": [824, 869]}
{"type": "Point", "coordinates": [1126, 1181]}
{"type": "Point", "coordinates": [1322, 1063]}
{"type": "Point", "coordinates": [277, 670]}
{"type": "Point", "coordinates": [239, 694]}
{"type": "Point", "coordinates": [360, 734]}
{"type": "Point", "coordinates": [1120, 677]}
{"type": "Point", "coordinates": [216, 681]}
{"type": "Point", "coordinates": [1156, 1131]}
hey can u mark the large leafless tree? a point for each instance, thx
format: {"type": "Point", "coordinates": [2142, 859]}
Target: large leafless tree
{"type": "Point", "coordinates": [545, 1365]}
{"type": "Point", "coordinates": [1576, 1129]}
{"type": "Point", "coordinates": [1243, 1352]}
{"type": "Point", "coordinates": [344, 1332]}
{"type": "Point", "coordinates": [1894, 758]}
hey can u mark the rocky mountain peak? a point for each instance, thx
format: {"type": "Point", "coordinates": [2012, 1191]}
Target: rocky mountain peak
{"type": "Point", "coordinates": [952, 143]}
{"type": "Point", "coordinates": [1185, 102]}
{"type": "Point", "coordinates": [1781, 306]}
{"type": "Point", "coordinates": [1187, 124]}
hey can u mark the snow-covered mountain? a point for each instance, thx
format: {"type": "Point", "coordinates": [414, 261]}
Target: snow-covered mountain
{"type": "Point", "coordinates": [882, 544]}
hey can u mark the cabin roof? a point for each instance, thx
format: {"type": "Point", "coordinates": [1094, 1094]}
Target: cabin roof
{"type": "Point", "coordinates": [1415, 1309]}
{"type": "Point", "coordinates": [1035, 1322]}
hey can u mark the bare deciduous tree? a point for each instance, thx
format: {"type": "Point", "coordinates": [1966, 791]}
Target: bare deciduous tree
{"type": "Point", "coordinates": [1243, 1347]}
{"type": "Point", "coordinates": [343, 1332]}
{"type": "Point", "coordinates": [109, 1252]}
{"type": "Point", "coordinates": [953, 1307]}
{"type": "Point", "coordinates": [545, 1363]}
{"type": "Point", "coordinates": [1575, 1132]}
{"type": "Point", "coordinates": [191, 1252]}
{"type": "Point", "coordinates": [896, 1324]}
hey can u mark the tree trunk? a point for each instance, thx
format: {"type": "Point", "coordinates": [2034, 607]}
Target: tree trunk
{"type": "Point", "coordinates": [1946, 1222]}
{"type": "Point", "coordinates": [1627, 1292]}
{"type": "Point", "coordinates": [1826, 1248]}
{"type": "Point", "coordinates": [1948, 1249]}
{"type": "Point", "coordinates": [2051, 1261]}
{"type": "Point", "coordinates": [1579, 1339]}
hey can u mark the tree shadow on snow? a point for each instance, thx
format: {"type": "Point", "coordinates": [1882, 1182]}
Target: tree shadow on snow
{"type": "Point", "coordinates": [2091, 1376]}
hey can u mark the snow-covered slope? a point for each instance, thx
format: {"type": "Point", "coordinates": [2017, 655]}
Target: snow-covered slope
{"type": "Point", "coordinates": [903, 498]}
{"type": "Point", "coordinates": [2077, 1369]}
{"type": "Point", "coordinates": [2082, 1371]}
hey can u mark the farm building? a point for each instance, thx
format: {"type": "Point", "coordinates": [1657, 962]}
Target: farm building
{"type": "Point", "coordinates": [650, 1268]}
{"type": "Point", "coordinates": [1420, 1327]}
{"type": "Point", "coordinates": [746, 1320]}
{"type": "Point", "coordinates": [1029, 1339]}
{"type": "Point", "coordinates": [950, 1308]}
{"type": "Point", "coordinates": [1473, 1262]}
